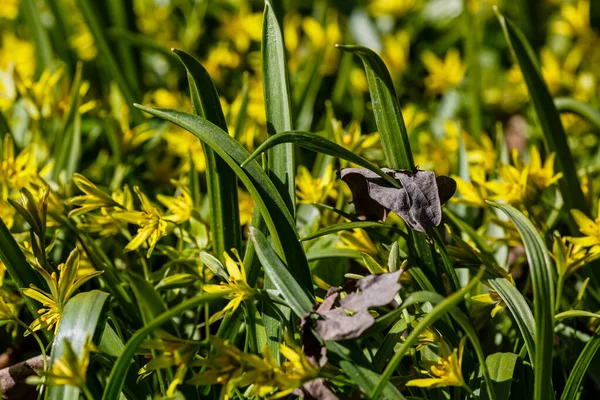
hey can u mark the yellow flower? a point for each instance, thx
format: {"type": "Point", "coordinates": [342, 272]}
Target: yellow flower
{"type": "Point", "coordinates": [152, 225]}
{"type": "Point", "coordinates": [221, 57]}
{"type": "Point", "coordinates": [180, 206]}
{"type": "Point", "coordinates": [223, 367]}
{"type": "Point", "coordinates": [40, 100]}
{"type": "Point", "coordinates": [9, 9]}
{"type": "Point", "coordinates": [396, 8]}
{"type": "Point", "coordinates": [590, 230]}
{"type": "Point", "coordinates": [242, 28]}
{"type": "Point", "coordinates": [68, 369]}
{"type": "Point", "coordinates": [246, 204]}
{"type": "Point", "coordinates": [314, 190]}
{"type": "Point", "coordinates": [83, 42]}
{"type": "Point", "coordinates": [16, 172]}
{"type": "Point", "coordinates": [61, 291]}
{"type": "Point", "coordinates": [491, 297]}
{"type": "Point", "coordinates": [443, 74]}
{"type": "Point", "coordinates": [446, 372]}
{"type": "Point", "coordinates": [569, 257]}
{"type": "Point", "coordinates": [541, 175]}
{"type": "Point", "coordinates": [396, 53]}
{"type": "Point", "coordinates": [360, 241]}
{"type": "Point", "coordinates": [472, 193]}
{"type": "Point", "coordinates": [21, 53]}
{"type": "Point", "coordinates": [236, 289]}
{"type": "Point", "coordinates": [94, 198]}
{"type": "Point", "coordinates": [575, 19]}
{"type": "Point", "coordinates": [6, 312]}
{"type": "Point", "coordinates": [358, 80]}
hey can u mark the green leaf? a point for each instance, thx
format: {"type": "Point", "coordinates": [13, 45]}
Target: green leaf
{"type": "Point", "coordinates": [43, 47]}
{"type": "Point", "coordinates": [278, 105]}
{"type": "Point", "coordinates": [352, 225]}
{"type": "Point", "coordinates": [150, 304]}
{"type": "Point", "coordinates": [119, 371]}
{"type": "Point", "coordinates": [579, 369]}
{"type": "Point", "coordinates": [68, 141]}
{"type": "Point", "coordinates": [299, 300]}
{"type": "Point", "coordinates": [118, 16]}
{"type": "Point", "coordinates": [540, 269]}
{"type": "Point", "coordinates": [386, 108]}
{"type": "Point", "coordinates": [566, 104]}
{"type": "Point", "coordinates": [322, 145]}
{"type": "Point", "coordinates": [221, 180]}
{"type": "Point", "coordinates": [106, 55]}
{"type": "Point", "coordinates": [277, 217]}
{"type": "Point", "coordinates": [501, 367]}
{"type": "Point", "coordinates": [514, 300]}
{"type": "Point", "coordinates": [18, 268]}
{"type": "Point", "coordinates": [333, 253]}
{"type": "Point", "coordinates": [548, 116]}
{"type": "Point", "coordinates": [575, 314]}
{"type": "Point", "coordinates": [139, 40]}
{"type": "Point", "coordinates": [436, 313]}
{"type": "Point", "coordinates": [83, 317]}
{"type": "Point", "coordinates": [355, 365]}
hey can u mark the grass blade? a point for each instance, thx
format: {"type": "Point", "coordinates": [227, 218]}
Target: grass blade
{"type": "Point", "coordinates": [577, 374]}
{"type": "Point", "coordinates": [271, 205]}
{"type": "Point", "coordinates": [351, 225]}
{"type": "Point", "coordinates": [278, 105]}
{"type": "Point", "coordinates": [221, 180]}
{"type": "Point", "coordinates": [43, 47]}
{"type": "Point", "coordinates": [299, 300]}
{"type": "Point", "coordinates": [548, 116]}
{"type": "Point", "coordinates": [388, 116]}
{"type": "Point", "coordinates": [106, 55]}
{"type": "Point", "coordinates": [17, 266]}
{"type": "Point", "coordinates": [543, 299]}
{"type": "Point", "coordinates": [436, 313]}
{"type": "Point", "coordinates": [84, 316]}
{"type": "Point", "coordinates": [321, 145]}
{"type": "Point", "coordinates": [583, 110]}
{"type": "Point", "coordinates": [118, 373]}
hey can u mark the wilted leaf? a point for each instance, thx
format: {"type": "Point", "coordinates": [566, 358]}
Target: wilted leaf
{"type": "Point", "coordinates": [352, 318]}
{"type": "Point", "coordinates": [375, 291]}
{"type": "Point", "coordinates": [418, 202]}
{"type": "Point", "coordinates": [317, 390]}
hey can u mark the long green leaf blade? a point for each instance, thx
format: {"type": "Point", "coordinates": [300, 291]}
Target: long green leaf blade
{"type": "Point", "coordinates": [221, 180]}
{"type": "Point", "coordinates": [278, 104]}
{"type": "Point", "coordinates": [579, 369]}
{"type": "Point", "coordinates": [319, 144]}
{"type": "Point", "coordinates": [83, 317]}
{"type": "Point", "coordinates": [548, 116]}
{"type": "Point", "coordinates": [386, 108]}
{"type": "Point", "coordinates": [543, 299]}
{"type": "Point", "coordinates": [297, 298]}
{"type": "Point", "coordinates": [17, 266]}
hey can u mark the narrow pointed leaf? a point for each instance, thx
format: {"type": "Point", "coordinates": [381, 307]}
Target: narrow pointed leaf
{"type": "Point", "coordinates": [577, 374]}
{"type": "Point", "coordinates": [540, 268]}
{"type": "Point", "coordinates": [548, 116]}
{"type": "Point", "coordinates": [321, 145]}
{"type": "Point", "coordinates": [278, 105]}
{"type": "Point", "coordinates": [221, 180]}
{"type": "Point", "coordinates": [299, 300]}
{"type": "Point", "coordinates": [84, 316]}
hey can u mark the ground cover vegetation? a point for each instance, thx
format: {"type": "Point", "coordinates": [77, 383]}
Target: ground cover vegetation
{"type": "Point", "coordinates": [334, 199]}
